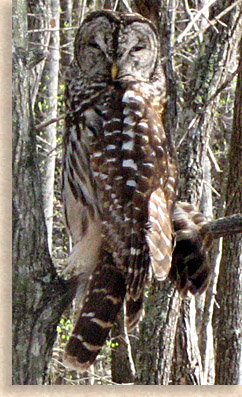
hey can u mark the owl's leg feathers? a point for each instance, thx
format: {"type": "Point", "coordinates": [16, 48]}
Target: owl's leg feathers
{"type": "Point", "coordinates": [104, 298]}
{"type": "Point", "coordinates": [190, 270]}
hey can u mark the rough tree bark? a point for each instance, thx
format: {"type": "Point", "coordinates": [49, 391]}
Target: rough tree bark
{"type": "Point", "coordinates": [157, 330]}
{"type": "Point", "coordinates": [156, 335]}
{"type": "Point", "coordinates": [39, 296]}
{"type": "Point", "coordinates": [194, 128]}
{"type": "Point", "coordinates": [229, 297]}
{"type": "Point", "coordinates": [38, 41]}
{"type": "Point", "coordinates": [197, 113]}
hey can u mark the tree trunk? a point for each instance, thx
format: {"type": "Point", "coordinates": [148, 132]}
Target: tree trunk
{"type": "Point", "coordinates": [187, 365]}
{"type": "Point", "coordinates": [51, 97]}
{"type": "Point", "coordinates": [194, 126]}
{"type": "Point", "coordinates": [66, 37]}
{"type": "Point", "coordinates": [157, 330]}
{"type": "Point", "coordinates": [156, 335]}
{"type": "Point", "coordinates": [38, 42]}
{"type": "Point", "coordinates": [195, 122]}
{"type": "Point", "coordinates": [39, 296]}
{"type": "Point", "coordinates": [229, 297]}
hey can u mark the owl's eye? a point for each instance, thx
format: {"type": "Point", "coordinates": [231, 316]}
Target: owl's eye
{"type": "Point", "coordinates": [92, 43]}
{"type": "Point", "coordinates": [138, 47]}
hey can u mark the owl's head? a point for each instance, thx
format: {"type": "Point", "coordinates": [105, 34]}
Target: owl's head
{"type": "Point", "coordinates": [114, 46]}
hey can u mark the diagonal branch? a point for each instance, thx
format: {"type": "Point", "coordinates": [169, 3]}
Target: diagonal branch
{"type": "Point", "coordinates": [51, 121]}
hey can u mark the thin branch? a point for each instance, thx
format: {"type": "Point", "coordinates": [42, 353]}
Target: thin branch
{"type": "Point", "coordinates": [44, 141]}
{"type": "Point", "coordinates": [126, 4]}
{"type": "Point", "coordinates": [49, 153]}
{"type": "Point", "coordinates": [51, 121]}
{"type": "Point", "coordinates": [224, 85]}
{"type": "Point", "coordinates": [83, 9]}
{"type": "Point", "coordinates": [201, 31]}
{"type": "Point", "coordinates": [189, 13]}
{"type": "Point", "coordinates": [52, 29]}
{"type": "Point", "coordinates": [189, 128]}
{"type": "Point", "coordinates": [193, 21]}
{"type": "Point", "coordinates": [212, 188]}
{"type": "Point", "coordinates": [50, 47]}
{"type": "Point", "coordinates": [115, 5]}
{"type": "Point", "coordinates": [223, 227]}
{"type": "Point", "coordinates": [213, 160]}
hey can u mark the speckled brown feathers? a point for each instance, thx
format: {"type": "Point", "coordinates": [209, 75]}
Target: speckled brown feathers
{"type": "Point", "coordinates": [119, 174]}
{"type": "Point", "coordinates": [190, 266]}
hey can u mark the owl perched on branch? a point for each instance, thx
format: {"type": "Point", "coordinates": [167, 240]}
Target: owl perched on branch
{"type": "Point", "coordinates": [119, 176]}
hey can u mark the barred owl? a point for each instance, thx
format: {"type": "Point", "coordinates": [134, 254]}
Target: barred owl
{"type": "Point", "coordinates": [119, 175]}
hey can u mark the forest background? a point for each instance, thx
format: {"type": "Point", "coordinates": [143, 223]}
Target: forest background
{"type": "Point", "coordinates": [189, 341]}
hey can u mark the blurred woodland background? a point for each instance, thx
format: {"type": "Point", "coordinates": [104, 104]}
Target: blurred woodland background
{"type": "Point", "coordinates": [189, 341]}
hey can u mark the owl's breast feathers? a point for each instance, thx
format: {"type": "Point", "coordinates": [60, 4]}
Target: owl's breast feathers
{"type": "Point", "coordinates": [120, 178]}
{"type": "Point", "coordinates": [135, 178]}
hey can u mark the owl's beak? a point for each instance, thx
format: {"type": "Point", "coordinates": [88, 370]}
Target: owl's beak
{"type": "Point", "coordinates": [114, 71]}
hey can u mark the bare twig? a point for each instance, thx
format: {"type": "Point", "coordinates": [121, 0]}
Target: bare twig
{"type": "Point", "coordinates": [189, 128]}
{"type": "Point", "coordinates": [52, 29]}
{"type": "Point", "coordinates": [224, 85]}
{"type": "Point", "coordinates": [193, 21]}
{"type": "Point", "coordinates": [213, 160]}
{"type": "Point", "coordinates": [51, 121]}
{"type": "Point", "coordinates": [189, 13]}
{"type": "Point", "coordinates": [83, 10]}
{"type": "Point", "coordinates": [201, 31]}
{"type": "Point", "coordinates": [212, 188]}
{"type": "Point", "coordinates": [127, 5]}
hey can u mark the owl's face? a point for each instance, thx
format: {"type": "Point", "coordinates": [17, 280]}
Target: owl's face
{"type": "Point", "coordinates": [127, 41]}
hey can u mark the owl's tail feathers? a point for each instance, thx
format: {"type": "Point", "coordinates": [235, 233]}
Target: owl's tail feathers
{"type": "Point", "coordinates": [100, 307]}
{"type": "Point", "coordinates": [190, 270]}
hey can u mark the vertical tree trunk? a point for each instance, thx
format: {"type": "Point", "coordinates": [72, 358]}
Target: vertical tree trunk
{"type": "Point", "coordinates": [197, 117]}
{"type": "Point", "coordinates": [187, 365]}
{"type": "Point", "coordinates": [51, 75]}
{"type": "Point", "coordinates": [39, 296]}
{"type": "Point", "coordinates": [229, 297]}
{"type": "Point", "coordinates": [158, 328]}
{"type": "Point", "coordinates": [194, 126]}
{"type": "Point", "coordinates": [66, 37]}
{"type": "Point", "coordinates": [38, 41]}
{"type": "Point", "coordinates": [156, 335]}
{"type": "Point", "coordinates": [206, 331]}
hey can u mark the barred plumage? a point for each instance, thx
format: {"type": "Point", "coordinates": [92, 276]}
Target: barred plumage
{"type": "Point", "coordinates": [119, 174]}
{"type": "Point", "coordinates": [190, 266]}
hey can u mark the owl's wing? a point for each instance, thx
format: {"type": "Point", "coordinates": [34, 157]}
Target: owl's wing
{"type": "Point", "coordinates": [160, 234]}
{"type": "Point", "coordinates": [80, 202]}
